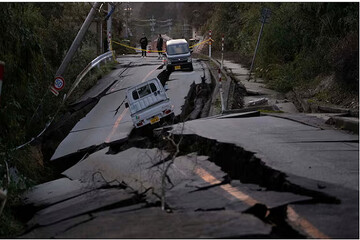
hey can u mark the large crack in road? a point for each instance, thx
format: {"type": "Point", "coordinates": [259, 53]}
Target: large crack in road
{"type": "Point", "coordinates": [194, 102]}
{"type": "Point", "coordinates": [239, 166]}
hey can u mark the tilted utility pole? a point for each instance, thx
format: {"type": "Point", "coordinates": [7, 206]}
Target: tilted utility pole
{"type": "Point", "coordinates": [265, 14]}
{"type": "Point", "coordinates": [77, 41]}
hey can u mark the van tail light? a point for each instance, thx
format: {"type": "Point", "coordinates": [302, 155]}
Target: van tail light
{"type": "Point", "coordinates": [167, 111]}
{"type": "Point", "coordinates": [140, 123]}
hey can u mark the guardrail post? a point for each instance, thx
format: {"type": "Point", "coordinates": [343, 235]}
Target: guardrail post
{"type": "Point", "coordinates": [210, 42]}
{"type": "Point", "coordinates": [222, 52]}
{"type": "Point", "coordinates": [221, 93]}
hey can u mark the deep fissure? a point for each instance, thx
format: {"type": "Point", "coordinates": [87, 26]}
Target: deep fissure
{"type": "Point", "coordinates": [238, 163]}
{"type": "Point", "coordinates": [242, 165]}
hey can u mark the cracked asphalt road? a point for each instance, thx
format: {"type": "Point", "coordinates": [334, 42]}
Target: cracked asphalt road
{"type": "Point", "coordinates": [248, 177]}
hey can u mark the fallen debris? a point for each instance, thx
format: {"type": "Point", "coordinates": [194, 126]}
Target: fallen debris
{"type": "Point", "coordinates": [258, 102]}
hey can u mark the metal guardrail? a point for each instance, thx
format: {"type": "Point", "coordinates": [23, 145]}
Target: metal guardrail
{"type": "Point", "coordinates": [90, 66]}
{"type": "Point", "coordinates": [100, 58]}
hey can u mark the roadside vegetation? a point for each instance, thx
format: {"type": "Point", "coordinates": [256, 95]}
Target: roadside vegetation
{"type": "Point", "coordinates": [35, 38]}
{"type": "Point", "coordinates": [303, 45]}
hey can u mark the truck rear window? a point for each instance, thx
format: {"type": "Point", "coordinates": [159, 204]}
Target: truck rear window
{"type": "Point", "coordinates": [143, 91]}
{"type": "Point", "coordinates": [135, 95]}
{"type": "Point", "coordinates": [153, 87]}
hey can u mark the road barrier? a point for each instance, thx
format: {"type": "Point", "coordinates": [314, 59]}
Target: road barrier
{"type": "Point", "coordinates": [91, 65]}
{"type": "Point", "coordinates": [140, 49]}
{"type": "Point", "coordinates": [205, 41]}
{"type": "Point", "coordinates": [127, 46]}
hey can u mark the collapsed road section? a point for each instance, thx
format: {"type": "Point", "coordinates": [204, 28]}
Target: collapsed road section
{"type": "Point", "coordinates": [305, 160]}
{"type": "Point", "coordinates": [110, 122]}
{"type": "Point", "coordinates": [238, 176]}
{"type": "Point", "coordinates": [214, 179]}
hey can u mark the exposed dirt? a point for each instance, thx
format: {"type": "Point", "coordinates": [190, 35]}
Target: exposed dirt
{"type": "Point", "coordinates": [238, 92]}
{"type": "Point", "coordinates": [327, 92]}
{"type": "Point", "coordinates": [234, 57]}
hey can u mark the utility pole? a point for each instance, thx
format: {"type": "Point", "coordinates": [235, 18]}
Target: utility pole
{"type": "Point", "coordinates": [108, 27]}
{"type": "Point", "coordinates": [127, 13]}
{"type": "Point", "coordinates": [186, 29]}
{"type": "Point", "coordinates": [77, 41]}
{"type": "Point", "coordinates": [152, 24]}
{"type": "Point", "coordinates": [265, 14]}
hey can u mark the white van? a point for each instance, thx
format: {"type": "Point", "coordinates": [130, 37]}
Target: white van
{"type": "Point", "coordinates": [148, 103]}
{"type": "Point", "coordinates": [178, 55]}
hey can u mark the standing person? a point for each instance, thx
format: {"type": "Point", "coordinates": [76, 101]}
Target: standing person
{"type": "Point", "coordinates": [143, 43]}
{"type": "Point", "coordinates": [160, 45]}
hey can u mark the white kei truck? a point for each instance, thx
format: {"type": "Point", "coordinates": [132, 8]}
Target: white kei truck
{"type": "Point", "coordinates": [148, 103]}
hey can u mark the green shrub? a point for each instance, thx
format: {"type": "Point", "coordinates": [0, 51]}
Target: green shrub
{"type": "Point", "coordinates": [299, 42]}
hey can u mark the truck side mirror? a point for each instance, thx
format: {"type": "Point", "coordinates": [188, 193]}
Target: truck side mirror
{"type": "Point", "coordinates": [126, 105]}
{"type": "Point", "coordinates": [166, 87]}
{"type": "Point", "coordinates": [191, 50]}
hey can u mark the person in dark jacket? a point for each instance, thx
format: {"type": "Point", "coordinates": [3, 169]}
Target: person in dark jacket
{"type": "Point", "coordinates": [160, 46]}
{"type": "Point", "coordinates": [143, 43]}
